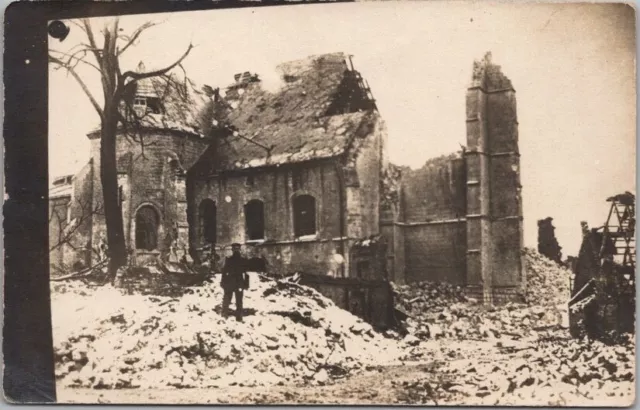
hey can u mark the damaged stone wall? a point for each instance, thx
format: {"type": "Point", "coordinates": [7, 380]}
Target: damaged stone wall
{"type": "Point", "coordinates": [150, 176]}
{"type": "Point", "coordinates": [436, 252]}
{"type": "Point", "coordinates": [458, 219]}
{"type": "Point", "coordinates": [346, 189]}
{"type": "Point", "coordinates": [363, 189]}
{"type": "Point", "coordinates": [435, 192]}
{"type": "Point", "coordinates": [434, 210]}
{"type": "Point", "coordinates": [547, 241]}
{"type": "Point", "coordinates": [390, 210]}
{"type": "Point", "coordinates": [276, 187]}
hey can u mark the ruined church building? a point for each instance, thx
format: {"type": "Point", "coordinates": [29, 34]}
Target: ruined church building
{"type": "Point", "coordinates": [300, 172]}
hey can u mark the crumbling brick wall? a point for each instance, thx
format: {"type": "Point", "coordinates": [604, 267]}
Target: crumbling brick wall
{"type": "Point", "coordinates": [362, 182]}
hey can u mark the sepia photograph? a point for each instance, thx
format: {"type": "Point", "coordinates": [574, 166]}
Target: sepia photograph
{"type": "Point", "coordinates": [385, 203]}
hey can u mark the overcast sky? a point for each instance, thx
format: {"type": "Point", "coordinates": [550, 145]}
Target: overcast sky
{"type": "Point", "coordinates": [572, 66]}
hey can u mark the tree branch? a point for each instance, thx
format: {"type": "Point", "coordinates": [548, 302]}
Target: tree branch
{"type": "Point", "coordinates": [76, 58]}
{"type": "Point", "coordinates": [77, 24]}
{"type": "Point", "coordinates": [82, 272]}
{"type": "Point", "coordinates": [75, 75]}
{"type": "Point", "coordinates": [92, 41]}
{"type": "Point", "coordinates": [67, 231]}
{"type": "Point", "coordinates": [135, 35]}
{"type": "Point", "coordinates": [140, 76]}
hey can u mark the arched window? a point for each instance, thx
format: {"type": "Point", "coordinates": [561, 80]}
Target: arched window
{"type": "Point", "coordinates": [304, 215]}
{"type": "Point", "coordinates": [208, 221]}
{"type": "Point", "coordinates": [146, 228]}
{"type": "Point", "coordinates": [254, 219]}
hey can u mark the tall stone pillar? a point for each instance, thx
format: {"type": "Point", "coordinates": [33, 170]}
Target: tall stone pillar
{"type": "Point", "coordinates": [478, 184]}
{"type": "Point", "coordinates": [494, 208]}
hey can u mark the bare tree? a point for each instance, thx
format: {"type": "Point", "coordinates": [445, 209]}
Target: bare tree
{"type": "Point", "coordinates": [70, 220]}
{"type": "Point", "coordinates": [105, 59]}
{"type": "Point", "coordinates": [67, 229]}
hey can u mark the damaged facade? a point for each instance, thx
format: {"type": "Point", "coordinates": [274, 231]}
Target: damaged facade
{"type": "Point", "coordinates": [300, 176]}
{"type": "Point", "coordinates": [299, 173]}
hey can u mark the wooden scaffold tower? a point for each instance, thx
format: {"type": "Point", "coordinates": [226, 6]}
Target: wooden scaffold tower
{"type": "Point", "coordinates": [605, 304]}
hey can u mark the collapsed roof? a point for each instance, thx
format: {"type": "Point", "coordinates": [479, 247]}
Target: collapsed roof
{"type": "Point", "coordinates": [318, 110]}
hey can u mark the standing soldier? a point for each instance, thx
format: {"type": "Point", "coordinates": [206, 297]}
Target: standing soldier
{"type": "Point", "coordinates": [234, 281]}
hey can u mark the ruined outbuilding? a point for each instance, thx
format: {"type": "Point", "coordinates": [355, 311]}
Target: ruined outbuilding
{"type": "Point", "coordinates": [603, 293]}
{"type": "Point", "coordinates": [300, 172]}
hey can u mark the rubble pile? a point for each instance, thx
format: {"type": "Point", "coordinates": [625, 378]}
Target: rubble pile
{"type": "Point", "coordinates": [441, 310]}
{"type": "Point", "coordinates": [105, 338]}
{"type": "Point", "coordinates": [547, 281]}
{"type": "Point", "coordinates": [515, 353]}
{"type": "Point", "coordinates": [556, 372]}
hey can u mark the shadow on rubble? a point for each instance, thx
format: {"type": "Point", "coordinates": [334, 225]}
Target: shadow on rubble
{"type": "Point", "coordinates": [245, 312]}
{"type": "Point", "coordinates": [303, 318]}
{"type": "Point", "coordinates": [150, 280]}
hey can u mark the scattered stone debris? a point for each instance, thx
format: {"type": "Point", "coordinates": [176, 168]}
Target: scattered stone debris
{"type": "Point", "coordinates": [518, 353]}
{"type": "Point", "coordinates": [513, 354]}
{"type": "Point", "coordinates": [441, 310]}
{"type": "Point", "coordinates": [105, 338]}
{"type": "Point", "coordinates": [558, 372]}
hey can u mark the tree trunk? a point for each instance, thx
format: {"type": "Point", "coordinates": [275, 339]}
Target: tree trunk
{"type": "Point", "coordinates": [109, 179]}
{"type": "Point", "coordinates": [191, 216]}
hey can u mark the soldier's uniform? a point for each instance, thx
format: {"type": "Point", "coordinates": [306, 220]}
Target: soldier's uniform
{"type": "Point", "coordinates": [234, 281]}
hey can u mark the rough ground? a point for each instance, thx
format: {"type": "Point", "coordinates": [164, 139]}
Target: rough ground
{"type": "Point", "coordinates": [179, 350]}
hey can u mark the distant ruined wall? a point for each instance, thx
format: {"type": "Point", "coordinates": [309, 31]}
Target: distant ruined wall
{"type": "Point", "coordinates": [82, 212]}
{"type": "Point", "coordinates": [58, 212]}
{"type": "Point", "coordinates": [459, 217]}
{"type": "Point", "coordinates": [70, 223]}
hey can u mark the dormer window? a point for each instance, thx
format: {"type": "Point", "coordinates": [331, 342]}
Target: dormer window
{"type": "Point", "coordinates": [147, 105]}
{"type": "Point", "coordinates": [153, 105]}
{"type": "Point", "coordinates": [140, 102]}
{"type": "Point", "coordinates": [140, 106]}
